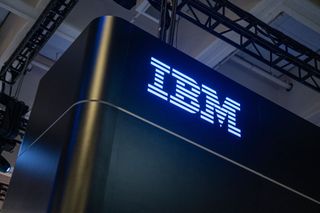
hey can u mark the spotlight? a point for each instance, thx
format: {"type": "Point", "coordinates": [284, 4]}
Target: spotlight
{"type": "Point", "coordinates": [12, 124]}
{"type": "Point", "coordinates": [4, 165]}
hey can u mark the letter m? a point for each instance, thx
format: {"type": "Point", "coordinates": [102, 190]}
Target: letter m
{"type": "Point", "coordinates": [226, 111]}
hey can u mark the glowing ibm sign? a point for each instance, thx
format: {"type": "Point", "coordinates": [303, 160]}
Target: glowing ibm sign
{"type": "Point", "coordinates": [186, 96]}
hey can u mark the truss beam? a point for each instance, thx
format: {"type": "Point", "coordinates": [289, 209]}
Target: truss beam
{"type": "Point", "coordinates": [44, 27]}
{"type": "Point", "coordinates": [247, 33]}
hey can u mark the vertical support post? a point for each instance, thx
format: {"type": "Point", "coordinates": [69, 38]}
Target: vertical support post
{"type": "Point", "coordinates": [173, 21]}
{"type": "Point", "coordinates": [163, 21]}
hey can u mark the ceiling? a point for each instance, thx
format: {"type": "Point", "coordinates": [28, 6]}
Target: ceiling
{"type": "Point", "coordinates": [299, 19]}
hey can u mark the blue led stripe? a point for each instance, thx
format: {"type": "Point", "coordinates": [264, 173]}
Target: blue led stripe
{"type": "Point", "coordinates": [196, 90]}
{"type": "Point", "coordinates": [157, 94]}
{"type": "Point", "coordinates": [186, 91]}
{"type": "Point", "coordinates": [216, 102]}
{"type": "Point", "coordinates": [159, 76]}
{"type": "Point", "coordinates": [232, 101]}
{"type": "Point", "coordinates": [160, 63]}
{"type": "Point", "coordinates": [225, 109]}
{"type": "Point", "coordinates": [184, 80]}
{"type": "Point", "coordinates": [207, 119]}
{"type": "Point", "coordinates": [157, 89]}
{"type": "Point", "coordinates": [180, 96]}
{"type": "Point", "coordinates": [217, 106]}
{"type": "Point", "coordinates": [159, 72]}
{"type": "Point", "coordinates": [229, 109]}
{"type": "Point", "coordinates": [208, 89]}
{"type": "Point", "coordinates": [183, 75]}
{"type": "Point", "coordinates": [212, 99]}
{"type": "Point", "coordinates": [220, 112]}
{"type": "Point", "coordinates": [222, 118]}
{"type": "Point", "coordinates": [234, 107]}
{"type": "Point", "coordinates": [159, 81]}
{"type": "Point", "coordinates": [195, 104]}
{"type": "Point", "coordinates": [210, 105]}
{"type": "Point", "coordinates": [158, 85]}
{"type": "Point", "coordinates": [211, 120]}
{"type": "Point", "coordinates": [230, 114]}
{"type": "Point", "coordinates": [210, 111]}
{"type": "Point", "coordinates": [210, 92]}
{"type": "Point", "coordinates": [231, 122]}
{"type": "Point", "coordinates": [235, 133]}
{"type": "Point", "coordinates": [181, 83]}
{"type": "Point", "coordinates": [184, 103]}
{"type": "Point", "coordinates": [209, 115]}
{"type": "Point", "coordinates": [159, 67]}
{"type": "Point", "coordinates": [231, 104]}
{"type": "Point", "coordinates": [185, 95]}
{"type": "Point", "coordinates": [232, 118]}
{"type": "Point", "coordinates": [181, 106]}
{"type": "Point", "coordinates": [221, 121]}
{"type": "Point", "coordinates": [234, 128]}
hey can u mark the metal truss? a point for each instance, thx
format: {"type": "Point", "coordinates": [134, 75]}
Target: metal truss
{"type": "Point", "coordinates": [3, 191]}
{"type": "Point", "coordinates": [44, 27]}
{"type": "Point", "coordinates": [247, 33]}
